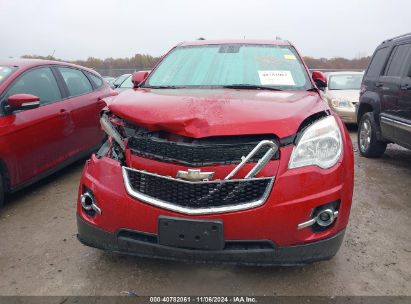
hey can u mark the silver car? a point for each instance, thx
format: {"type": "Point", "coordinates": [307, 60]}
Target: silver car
{"type": "Point", "coordinates": [343, 92]}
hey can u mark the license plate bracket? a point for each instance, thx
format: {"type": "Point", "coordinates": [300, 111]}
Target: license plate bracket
{"type": "Point", "coordinates": [190, 233]}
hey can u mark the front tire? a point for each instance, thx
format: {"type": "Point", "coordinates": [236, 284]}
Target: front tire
{"type": "Point", "coordinates": [368, 143]}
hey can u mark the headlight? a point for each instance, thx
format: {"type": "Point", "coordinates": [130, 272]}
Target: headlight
{"type": "Point", "coordinates": [320, 145]}
{"type": "Point", "coordinates": [341, 103]}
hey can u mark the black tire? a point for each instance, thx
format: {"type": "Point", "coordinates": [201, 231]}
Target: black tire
{"type": "Point", "coordinates": [368, 143]}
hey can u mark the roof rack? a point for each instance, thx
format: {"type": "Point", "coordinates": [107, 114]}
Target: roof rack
{"type": "Point", "coordinates": [397, 37]}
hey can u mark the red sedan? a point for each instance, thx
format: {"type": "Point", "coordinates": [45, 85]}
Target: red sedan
{"type": "Point", "coordinates": [49, 117]}
{"type": "Point", "coordinates": [225, 152]}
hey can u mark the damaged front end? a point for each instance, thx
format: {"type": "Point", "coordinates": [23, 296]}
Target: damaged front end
{"type": "Point", "coordinates": [220, 167]}
{"type": "Point", "coordinates": [191, 191]}
{"type": "Point", "coordinates": [219, 198]}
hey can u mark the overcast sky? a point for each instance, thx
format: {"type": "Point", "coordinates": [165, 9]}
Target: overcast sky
{"type": "Point", "coordinates": [77, 29]}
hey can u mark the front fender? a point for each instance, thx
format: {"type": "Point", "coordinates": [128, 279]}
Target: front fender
{"type": "Point", "coordinates": [369, 102]}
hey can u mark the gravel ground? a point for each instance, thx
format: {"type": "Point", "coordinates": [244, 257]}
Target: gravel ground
{"type": "Point", "coordinates": [40, 255]}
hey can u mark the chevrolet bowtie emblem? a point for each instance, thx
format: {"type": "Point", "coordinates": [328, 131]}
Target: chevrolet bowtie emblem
{"type": "Point", "coordinates": [195, 175]}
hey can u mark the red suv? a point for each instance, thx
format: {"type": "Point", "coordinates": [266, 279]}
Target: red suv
{"type": "Point", "coordinates": [224, 152]}
{"type": "Point", "coordinates": [49, 117]}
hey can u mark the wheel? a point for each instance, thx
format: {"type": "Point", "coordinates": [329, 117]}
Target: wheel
{"type": "Point", "coordinates": [368, 144]}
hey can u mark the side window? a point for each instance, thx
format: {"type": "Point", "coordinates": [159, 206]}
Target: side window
{"type": "Point", "coordinates": [397, 61]}
{"type": "Point", "coordinates": [39, 82]}
{"type": "Point", "coordinates": [377, 63]}
{"type": "Point", "coordinates": [77, 83]}
{"type": "Point", "coordinates": [97, 80]}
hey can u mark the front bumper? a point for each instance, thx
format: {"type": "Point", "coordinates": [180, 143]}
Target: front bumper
{"type": "Point", "coordinates": [347, 116]}
{"type": "Point", "coordinates": [287, 256]}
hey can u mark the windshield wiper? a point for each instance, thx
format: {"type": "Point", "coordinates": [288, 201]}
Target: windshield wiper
{"type": "Point", "coordinates": [250, 87]}
{"type": "Point", "coordinates": [161, 87]}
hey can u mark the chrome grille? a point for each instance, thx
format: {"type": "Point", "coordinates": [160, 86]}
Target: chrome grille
{"type": "Point", "coordinates": [202, 197]}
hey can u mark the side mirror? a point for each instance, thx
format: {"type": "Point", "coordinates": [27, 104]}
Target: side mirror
{"type": "Point", "coordinates": [320, 80]}
{"type": "Point", "coordinates": [22, 102]}
{"type": "Point", "coordinates": [138, 77]}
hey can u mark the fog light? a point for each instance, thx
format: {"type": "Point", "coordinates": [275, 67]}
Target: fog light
{"type": "Point", "coordinates": [323, 217]}
{"type": "Point", "coordinates": [89, 203]}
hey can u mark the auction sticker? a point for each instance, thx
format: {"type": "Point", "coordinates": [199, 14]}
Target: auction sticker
{"type": "Point", "coordinates": [290, 57]}
{"type": "Point", "coordinates": [276, 78]}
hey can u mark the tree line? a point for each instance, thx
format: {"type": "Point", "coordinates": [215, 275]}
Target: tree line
{"type": "Point", "coordinates": [337, 63]}
{"type": "Point", "coordinates": [147, 62]}
{"type": "Point", "coordinates": [110, 66]}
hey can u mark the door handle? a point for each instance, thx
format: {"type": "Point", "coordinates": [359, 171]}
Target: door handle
{"type": "Point", "coordinates": [62, 112]}
{"type": "Point", "coordinates": [379, 85]}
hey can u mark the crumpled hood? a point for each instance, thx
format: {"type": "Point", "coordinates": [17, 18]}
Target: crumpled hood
{"type": "Point", "coordinates": [216, 112]}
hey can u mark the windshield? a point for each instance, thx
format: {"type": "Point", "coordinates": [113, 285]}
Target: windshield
{"type": "Point", "coordinates": [119, 80]}
{"type": "Point", "coordinates": [5, 72]}
{"type": "Point", "coordinates": [231, 65]}
{"type": "Point", "coordinates": [127, 83]}
{"type": "Point", "coordinates": [345, 82]}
